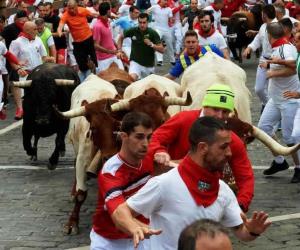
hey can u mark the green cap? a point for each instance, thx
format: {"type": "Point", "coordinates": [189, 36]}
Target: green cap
{"type": "Point", "coordinates": [219, 96]}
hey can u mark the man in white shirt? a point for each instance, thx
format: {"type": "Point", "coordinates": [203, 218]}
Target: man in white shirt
{"type": "Point", "coordinates": [282, 79]}
{"type": "Point", "coordinates": [204, 3]}
{"type": "Point", "coordinates": [30, 51]}
{"type": "Point", "coordinates": [124, 8]}
{"type": "Point", "coordinates": [190, 192]}
{"type": "Point", "coordinates": [207, 33]}
{"type": "Point", "coordinates": [216, 8]}
{"type": "Point", "coordinates": [261, 40]}
{"type": "Point", "coordinates": [162, 15]}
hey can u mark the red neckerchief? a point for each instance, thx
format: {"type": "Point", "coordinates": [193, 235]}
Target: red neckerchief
{"type": "Point", "coordinates": [104, 21]}
{"type": "Point", "coordinates": [204, 34]}
{"type": "Point", "coordinates": [214, 7]}
{"type": "Point", "coordinates": [202, 184]}
{"type": "Point", "coordinates": [279, 42]}
{"type": "Point", "coordinates": [29, 37]}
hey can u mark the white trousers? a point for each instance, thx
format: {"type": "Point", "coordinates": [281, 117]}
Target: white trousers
{"type": "Point", "coordinates": [177, 37]}
{"type": "Point", "coordinates": [166, 35]}
{"type": "Point", "coordinates": [261, 84]}
{"type": "Point", "coordinates": [100, 243]}
{"type": "Point", "coordinates": [1, 92]}
{"type": "Point", "coordinates": [139, 70]}
{"type": "Point", "coordinates": [273, 113]}
{"type": "Point", "coordinates": [104, 64]}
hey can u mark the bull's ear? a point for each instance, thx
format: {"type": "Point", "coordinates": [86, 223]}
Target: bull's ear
{"type": "Point", "coordinates": [165, 94]}
{"type": "Point", "coordinates": [107, 107]}
{"type": "Point", "coordinates": [84, 102]}
{"type": "Point", "coordinates": [118, 97]}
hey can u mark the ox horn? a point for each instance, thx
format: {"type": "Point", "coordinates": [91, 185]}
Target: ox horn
{"type": "Point", "coordinates": [272, 144]}
{"type": "Point", "coordinates": [120, 105]}
{"type": "Point", "coordinates": [73, 112]}
{"type": "Point", "coordinates": [64, 82]}
{"type": "Point", "coordinates": [179, 100]}
{"type": "Point", "coordinates": [242, 18]}
{"type": "Point", "coordinates": [23, 84]}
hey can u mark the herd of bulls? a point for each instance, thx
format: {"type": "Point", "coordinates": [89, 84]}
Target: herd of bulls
{"type": "Point", "coordinates": [54, 95]}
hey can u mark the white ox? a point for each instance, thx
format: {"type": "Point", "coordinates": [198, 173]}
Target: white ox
{"type": "Point", "coordinates": [211, 69]}
{"type": "Point", "coordinates": [163, 85]}
{"type": "Point", "coordinates": [91, 90]}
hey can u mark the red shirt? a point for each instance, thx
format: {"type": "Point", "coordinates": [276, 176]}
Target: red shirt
{"type": "Point", "coordinates": [117, 182]}
{"type": "Point", "coordinates": [293, 9]}
{"type": "Point", "coordinates": [231, 7]}
{"type": "Point", "coordinates": [172, 137]}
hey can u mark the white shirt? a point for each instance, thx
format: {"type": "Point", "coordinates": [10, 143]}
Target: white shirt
{"type": "Point", "coordinates": [28, 52]}
{"type": "Point", "coordinates": [217, 16]}
{"type": "Point", "coordinates": [204, 3]}
{"type": "Point", "coordinates": [278, 85]}
{"type": "Point", "coordinates": [3, 51]}
{"type": "Point", "coordinates": [124, 10]}
{"type": "Point", "coordinates": [161, 17]}
{"type": "Point", "coordinates": [261, 40]}
{"type": "Point", "coordinates": [216, 38]}
{"type": "Point", "coordinates": [167, 202]}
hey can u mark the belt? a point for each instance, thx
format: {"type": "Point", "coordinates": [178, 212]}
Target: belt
{"type": "Point", "coordinates": [267, 58]}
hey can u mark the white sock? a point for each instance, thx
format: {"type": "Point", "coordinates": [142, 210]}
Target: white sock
{"type": "Point", "coordinates": [279, 159]}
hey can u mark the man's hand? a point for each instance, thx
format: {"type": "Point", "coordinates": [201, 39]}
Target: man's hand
{"type": "Point", "coordinates": [247, 52]}
{"type": "Point", "coordinates": [258, 223]}
{"type": "Point", "coordinates": [21, 72]}
{"type": "Point", "coordinates": [141, 233]}
{"type": "Point", "coordinates": [263, 65]}
{"type": "Point", "coordinates": [148, 42]}
{"type": "Point", "coordinates": [162, 158]}
{"type": "Point", "coordinates": [50, 59]}
{"type": "Point", "coordinates": [291, 95]}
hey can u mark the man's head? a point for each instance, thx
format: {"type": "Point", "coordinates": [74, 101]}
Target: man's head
{"type": "Point", "coordinates": [40, 24]}
{"type": "Point", "coordinates": [47, 9]}
{"type": "Point", "coordinates": [275, 31]}
{"type": "Point", "coordinates": [287, 26]}
{"type": "Point", "coordinates": [136, 131]}
{"type": "Point", "coordinates": [134, 12]}
{"type": "Point", "coordinates": [30, 29]}
{"type": "Point", "coordinates": [191, 43]}
{"type": "Point", "coordinates": [280, 10]}
{"type": "Point", "coordinates": [104, 9]}
{"type": "Point", "coordinates": [22, 5]}
{"type": "Point", "coordinates": [219, 4]}
{"type": "Point", "coordinates": [268, 13]}
{"type": "Point", "coordinates": [209, 139]}
{"type": "Point", "coordinates": [297, 41]}
{"type": "Point", "coordinates": [163, 3]}
{"type": "Point", "coordinates": [204, 234]}
{"type": "Point", "coordinates": [143, 21]}
{"type": "Point", "coordinates": [218, 101]}
{"type": "Point", "coordinates": [21, 18]}
{"type": "Point", "coordinates": [206, 20]}
{"type": "Point", "coordinates": [72, 7]}
{"type": "Point", "coordinates": [194, 5]}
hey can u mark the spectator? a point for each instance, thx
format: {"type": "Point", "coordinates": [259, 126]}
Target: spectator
{"type": "Point", "coordinates": [216, 8]}
{"type": "Point", "coordinates": [191, 13]}
{"type": "Point", "coordinates": [21, 5]}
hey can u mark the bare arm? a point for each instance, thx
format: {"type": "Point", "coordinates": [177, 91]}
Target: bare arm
{"type": "Point", "coordinates": [226, 54]}
{"type": "Point", "coordinates": [169, 76]}
{"type": "Point", "coordinates": [52, 51]}
{"type": "Point", "coordinates": [285, 72]}
{"type": "Point", "coordinates": [120, 41]}
{"type": "Point", "coordinates": [287, 63]}
{"type": "Point", "coordinates": [104, 50]}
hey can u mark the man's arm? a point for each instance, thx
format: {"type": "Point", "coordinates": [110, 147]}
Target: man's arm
{"type": "Point", "coordinates": [169, 76]}
{"type": "Point", "coordinates": [226, 53]}
{"type": "Point", "coordinates": [284, 72]}
{"type": "Point", "coordinates": [242, 172]}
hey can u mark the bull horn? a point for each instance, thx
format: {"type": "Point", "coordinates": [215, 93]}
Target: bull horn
{"type": "Point", "coordinates": [242, 18]}
{"type": "Point", "coordinates": [23, 84]}
{"type": "Point", "coordinates": [64, 82]}
{"type": "Point", "coordinates": [272, 144]}
{"type": "Point", "coordinates": [120, 105]}
{"type": "Point", "coordinates": [179, 100]}
{"type": "Point", "coordinates": [73, 112]}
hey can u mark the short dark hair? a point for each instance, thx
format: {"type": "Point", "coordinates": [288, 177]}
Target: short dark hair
{"type": "Point", "coordinates": [104, 7]}
{"type": "Point", "coordinates": [188, 237]}
{"type": "Point", "coordinates": [190, 33]}
{"type": "Point", "coordinates": [2, 19]}
{"type": "Point", "coordinates": [275, 30]}
{"type": "Point", "coordinates": [144, 15]}
{"type": "Point", "coordinates": [134, 119]}
{"type": "Point", "coordinates": [286, 22]}
{"type": "Point", "coordinates": [269, 11]}
{"type": "Point", "coordinates": [21, 13]}
{"type": "Point", "coordinates": [203, 13]}
{"type": "Point", "coordinates": [204, 129]}
{"type": "Point", "coordinates": [132, 8]}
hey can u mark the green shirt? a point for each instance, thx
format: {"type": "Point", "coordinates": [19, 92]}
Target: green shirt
{"type": "Point", "coordinates": [140, 52]}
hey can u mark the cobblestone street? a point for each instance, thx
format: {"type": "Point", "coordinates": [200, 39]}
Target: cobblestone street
{"type": "Point", "coordinates": [35, 202]}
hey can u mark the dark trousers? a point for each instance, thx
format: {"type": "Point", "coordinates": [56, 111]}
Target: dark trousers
{"type": "Point", "coordinates": [83, 51]}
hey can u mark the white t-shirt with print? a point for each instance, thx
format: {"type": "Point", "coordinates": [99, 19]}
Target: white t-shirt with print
{"type": "Point", "coordinates": [167, 202]}
{"type": "Point", "coordinates": [278, 85]}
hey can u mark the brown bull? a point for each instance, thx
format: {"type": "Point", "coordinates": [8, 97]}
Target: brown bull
{"type": "Point", "coordinates": [104, 118]}
{"type": "Point", "coordinates": [118, 77]}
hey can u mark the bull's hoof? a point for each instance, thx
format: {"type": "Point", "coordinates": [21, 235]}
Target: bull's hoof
{"type": "Point", "coordinates": [91, 175]}
{"type": "Point", "coordinates": [51, 166]}
{"type": "Point", "coordinates": [33, 158]}
{"type": "Point", "coordinates": [70, 229]}
{"type": "Point", "coordinates": [62, 153]}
